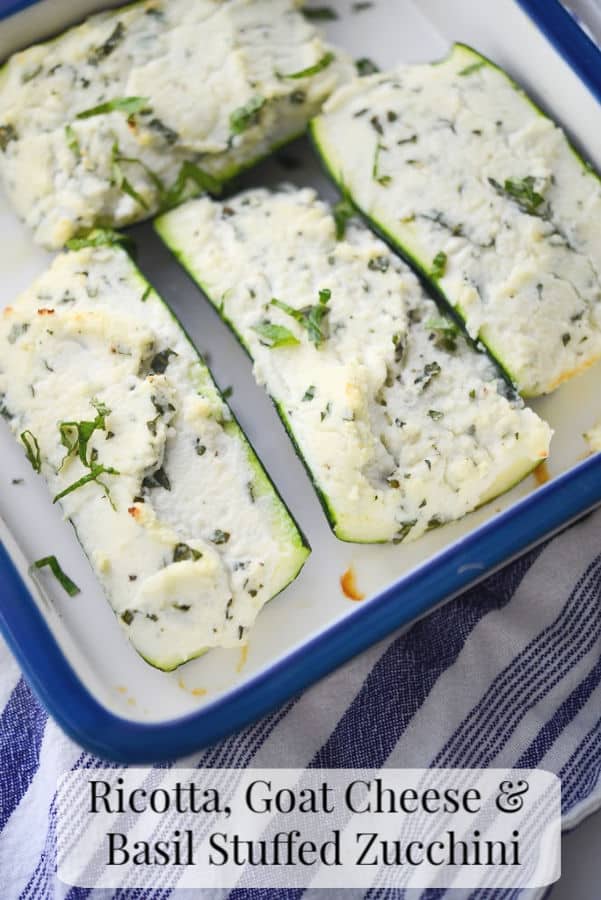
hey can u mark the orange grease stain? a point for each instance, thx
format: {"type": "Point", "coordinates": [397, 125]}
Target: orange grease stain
{"type": "Point", "coordinates": [542, 474]}
{"type": "Point", "coordinates": [196, 692]}
{"type": "Point", "coordinates": [348, 583]}
{"type": "Point", "coordinates": [243, 658]}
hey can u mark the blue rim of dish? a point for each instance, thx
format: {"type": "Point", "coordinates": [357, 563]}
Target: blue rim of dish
{"type": "Point", "coordinates": [569, 39]}
{"type": "Point", "coordinates": [526, 523]}
{"type": "Point", "coordinates": [109, 736]}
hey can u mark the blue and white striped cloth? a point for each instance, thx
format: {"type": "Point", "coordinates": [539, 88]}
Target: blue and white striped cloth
{"type": "Point", "coordinates": [507, 675]}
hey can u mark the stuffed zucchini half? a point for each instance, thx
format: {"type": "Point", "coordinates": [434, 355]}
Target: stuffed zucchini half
{"type": "Point", "coordinates": [113, 405]}
{"type": "Point", "coordinates": [139, 107]}
{"type": "Point", "coordinates": [483, 194]}
{"type": "Point", "coordinates": [402, 425]}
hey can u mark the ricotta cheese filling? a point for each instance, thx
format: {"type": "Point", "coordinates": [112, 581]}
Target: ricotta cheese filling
{"type": "Point", "coordinates": [402, 425]}
{"type": "Point", "coordinates": [461, 172]}
{"type": "Point", "coordinates": [116, 409]}
{"type": "Point", "coordinates": [139, 107]}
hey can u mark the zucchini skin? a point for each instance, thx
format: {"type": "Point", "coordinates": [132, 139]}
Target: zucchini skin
{"type": "Point", "coordinates": [421, 266]}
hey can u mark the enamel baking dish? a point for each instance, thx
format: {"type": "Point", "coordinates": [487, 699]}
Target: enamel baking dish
{"type": "Point", "coordinates": [72, 650]}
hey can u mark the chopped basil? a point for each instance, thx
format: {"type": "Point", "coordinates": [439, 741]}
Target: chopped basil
{"type": "Point", "coordinates": [146, 293]}
{"type": "Point", "coordinates": [97, 237]}
{"type": "Point", "coordinates": [93, 475]}
{"type": "Point", "coordinates": [403, 531]}
{"type": "Point", "coordinates": [183, 552]}
{"type": "Point", "coordinates": [72, 142]}
{"type": "Point", "coordinates": [122, 183]}
{"type": "Point", "coordinates": [200, 448]}
{"type": "Point", "coordinates": [246, 116]}
{"type": "Point", "coordinates": [384, 180]}
{"type": "Point", "coordinates": [566, 338]}
{"type": "Point", "coordinates": [275, 335]}
{"type": "Point", "coordinates": [8, 133]}
{"type": "Point", "coordinates": [189, 172]}
{"type": "Point", "coordinates": [472, 394]}
{"type": "Point", "coordinates": [168, 134]}
{"type": "Point", "coordinates": [312, 318]}
{"type": "Point", "coordinates": [104, 50]}
{"type": "Point", "coordinates": [343, 211]}
{"type": "Point", "coordinates": [379, 264]}
{"type": "Point", "coordinates": [442, 325]}
{"type": "Point", "coordinates": [447, 333]}
{"type": "Point", "coordinates": [439, 265]}
{"type": "Point", "coordinates": [435, 522]}
{"type": "Point", "coordinates": [325, 412]}
{"type": "Point", "coordinates": [475, 67]}
{"type": "Point", "coordinates": [158, 478]}
{"type": "Point", "coordinates": [319, 13]}
{"type": "Point", "coordinates": [4, 410]}
{"type": "Point", "coordinates": [366, 66]}
{"type": "Point", "coordinates": [361, 6]}
{"type": "Point", "coordinates": [127, 105]}
{"type": "Point", "coordinates": [227, 392]}
{"type": "Point", "coordinates": [399, 347]}
{"type": "Point", "coordinates": [326, 60]}
{"type": "Point", "coordinates": [32, 450]}
{"type": "Point", "coordinates": [63, 579]}
{"type": "Point", "coordinates": [435, 414]}
{"type": "Point", "coordinates": [76, 435]}
{"type": "Point", "coordinates": [431, 370]}
{"type": "Point", "coordinates": [160, 361]}
{"type": "Point", "coordinates": [17, 331]}
{"type": "Point", "coordinates": [522, 192]}
{"type": "Point", "coordinates": [220, 537]}
{"type": "Point", "coordinates": [127, 616]}
{"type": "Point", "coordinates": [309, 393]}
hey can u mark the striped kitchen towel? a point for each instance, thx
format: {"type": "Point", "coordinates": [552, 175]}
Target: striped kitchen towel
{"type": "Point", "coordinates": [507, 675]}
